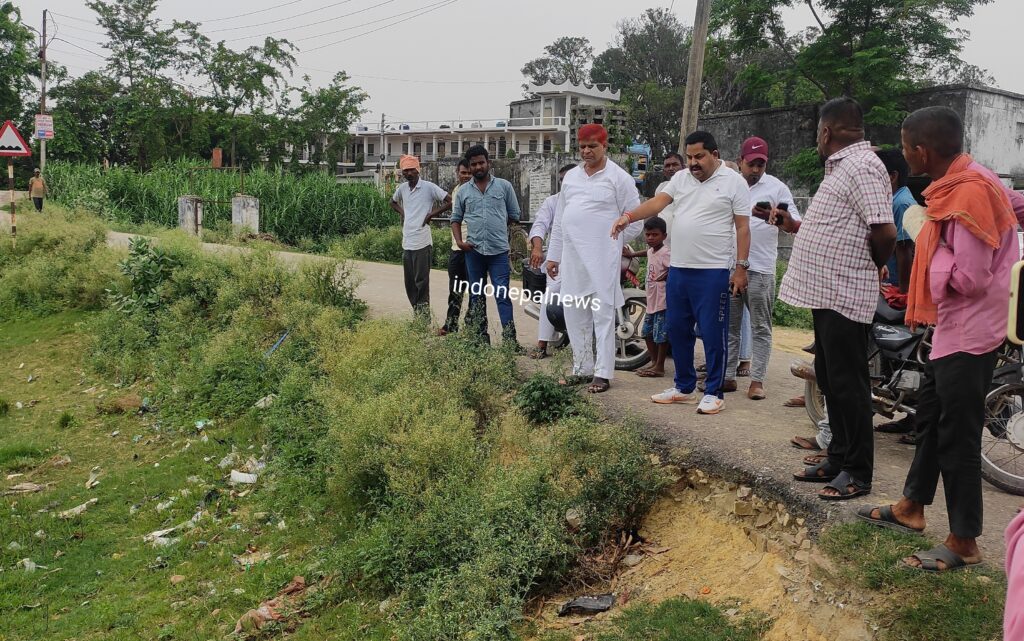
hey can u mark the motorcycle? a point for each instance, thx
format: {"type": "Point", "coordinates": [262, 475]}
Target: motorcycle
{"type": "Point", "coordinates": [630, 348]}
{"type": "Point", "coordinates": [896, 358]}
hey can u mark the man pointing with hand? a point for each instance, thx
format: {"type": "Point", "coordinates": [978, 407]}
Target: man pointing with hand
{"type": "Point", "coordinates": [710, 230]}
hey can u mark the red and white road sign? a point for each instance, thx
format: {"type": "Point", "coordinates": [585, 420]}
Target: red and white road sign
{"type": "Point", "coordinates": [11, 142]}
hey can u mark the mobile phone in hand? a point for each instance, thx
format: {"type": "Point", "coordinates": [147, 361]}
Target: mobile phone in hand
{"type": "Point", "coordinates": [778, 219]}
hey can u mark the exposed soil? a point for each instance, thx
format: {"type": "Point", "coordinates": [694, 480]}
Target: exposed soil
{"type": "Point", "coordinates": [711, 540]}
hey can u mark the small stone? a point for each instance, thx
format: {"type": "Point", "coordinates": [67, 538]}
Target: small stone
{"type": "Point", "coordinates": [632, 560]}
{"type": "Point", "coordinates": [776, 548]}
{"type": "Point", "coordinates": [573, 518]}
{"type": "Point", "coordinates": [822, 563]}
{"type": "Point", "coordinates": [801, 535]}
{"type": "Point", "coordinates": [743, 508]}
{"type": "Point", "coordinates": [805, 544]}
{"type": "Point", "coordinates": [759, 540]}
{"type": "Point", "coordinates": [803, 556]}
{"type": "Point", "coordinates": [789, 540]}
{"type": "Point", "coordinates": [14, 546]}
{"type": "Point", "coordinates": [784, 519]}
{"type": "Point", "coordinates": [744, 492]}
{"type": "Point", "coordinates": [764, 519]}
{"type": "Point", "coordinates": [176, 579]}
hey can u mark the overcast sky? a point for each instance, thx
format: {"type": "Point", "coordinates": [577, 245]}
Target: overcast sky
{"type": "Point", "coordinates": [448, 59]}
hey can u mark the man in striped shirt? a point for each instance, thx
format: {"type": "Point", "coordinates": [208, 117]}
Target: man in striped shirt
{"type": "Point", "coordinates": [845, 238]}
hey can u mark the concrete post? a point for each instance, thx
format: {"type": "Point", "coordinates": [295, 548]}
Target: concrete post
{"type": "Point", "coordinates": [190, 214]}
{"type": "Point", "coordinates": [245, 214]}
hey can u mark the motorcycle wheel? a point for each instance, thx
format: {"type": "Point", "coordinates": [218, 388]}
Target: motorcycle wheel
{"type": "Point", "coordinates": [1002, 439]}
{"type": "Point", "coordinates": [631, 351]}
{"type": "Point", "coordinates": [814, 402]}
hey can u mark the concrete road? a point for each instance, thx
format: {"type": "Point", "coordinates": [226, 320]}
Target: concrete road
{"type": "Point", "coordinates": [747, 442]}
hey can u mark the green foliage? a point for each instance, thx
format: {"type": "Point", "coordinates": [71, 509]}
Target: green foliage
{"type": "Point", "coordinates": [60, 262]}
{"type": "Point", "coordinates": [805, 169]}
{"type": "Point", "coordinates": [385, 246]}
{"type": "Point", "coordinates": [5, 407]}
{"type": "Point", "coordinates": [543, 400]}
{"type": "Point", "coordinates": [680, 619]}
{"type": "Point", "coordinates": [292, 207]}
{"type": "Point", "coordinates": [20, 66]}
{"type": "Point", "coordinates": [950, 606]}
{"type": "Point", "coordinates": [66, 420]}
{"type": "Point", "coordinates": [18, 456]}
{"type": "Point", "coordinates": [874, 50]}
{"type": "Point", "coordinates": [510, 154]}
{"type": "Point", "coordinates": [146, 269]}
{"type": "Point", "coordinates": [784, 314]}
{"type": "Point", "coordinates": [567, 59]}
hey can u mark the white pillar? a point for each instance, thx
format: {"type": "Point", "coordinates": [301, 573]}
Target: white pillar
{"type": "Point", "coordinates": [540, 142]}
{"type": "Point", "coordinates": [512, 140]}
{"type": "Point", "coordinates": [410, 145]}
{"type": "Point", "coordinates": [366, 148]}
{"type": "Point", "coordinates": [487, 142]}
{"type": "Point", "coordinates": [541, 112]}
{"type": "Point", "coordinates": [245, 213]}
{"type": "Point", "coordinates": [460, 146]}
{"type": "Point", "coordinates": [434, 148]}
{"type": "Point", "coordinates": [190, 214]}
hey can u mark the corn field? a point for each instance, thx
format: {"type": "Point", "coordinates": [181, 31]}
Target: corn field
{"type": "Point", "coordinates": [292, 207]}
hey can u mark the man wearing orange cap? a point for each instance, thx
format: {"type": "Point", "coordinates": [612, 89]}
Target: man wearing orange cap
{"type": "Point", "coordinates": [414, 201]}
{"type": "Point", "coordinates": [587, 259]}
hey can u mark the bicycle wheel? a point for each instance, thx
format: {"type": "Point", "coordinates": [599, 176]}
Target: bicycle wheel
{"type": "Point", "coordinates": [519, 248]}
{"type": "Point", "coordinates": [1002, 439]}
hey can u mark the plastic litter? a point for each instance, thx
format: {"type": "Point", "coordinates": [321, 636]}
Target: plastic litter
{"type": "Point", "coordinates": [14, 546]}
{"type": "Point", "coordinates": [94, 476]}
{"type": "Point", "coordinates": [251, 557]}
{"type": "Point", "coordinates": [78, 510]}
{"type": "Point", "coordinates": [25, 488]}
{"type": "Point", "coordinates": [265, 402]}
{"type": "Point", "coordinates": [241, 478]}
{"type": "Point", "coordinates": [229, 460]}
{"type": "Point", "coordinates": [162, 542]}
{"type": "Point", "coordinates": [30, 566]}
{"type": "Point", "coordinates": [160, 507]}
{"type": "Point", "coordinates": [276, 609]}
{"type": "Point", "coordinates": [588, 605]}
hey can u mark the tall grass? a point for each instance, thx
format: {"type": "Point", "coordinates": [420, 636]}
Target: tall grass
{"type": "Point", "coordinates": [292, 207]}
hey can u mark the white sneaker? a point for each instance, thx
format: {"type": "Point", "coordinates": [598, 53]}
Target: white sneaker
{"type": "Point", "coordinates": [672, 395]}
{"type": "Point", "coordinates": [710, 405]}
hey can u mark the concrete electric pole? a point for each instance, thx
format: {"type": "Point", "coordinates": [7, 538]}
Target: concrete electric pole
{"type": "Point", "coordinates": [42, 93]}
{"type": "Point", "coordinates": [695, 72]}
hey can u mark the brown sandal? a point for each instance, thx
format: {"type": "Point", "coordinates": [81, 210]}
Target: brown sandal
{"type": "Point", "coordinates": [801, 443]}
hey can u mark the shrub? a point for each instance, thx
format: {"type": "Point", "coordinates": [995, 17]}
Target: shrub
{"type": "Point", "coordinates": [65, 420]}
{"type": "Point", "coordinates": [385, 246]}
{"type": "Point", "coordinates": [5, 407]}
{"type": "Point", "coordinates": [543, 400]}
{"type": "Point", "coordinates": [784, 314]}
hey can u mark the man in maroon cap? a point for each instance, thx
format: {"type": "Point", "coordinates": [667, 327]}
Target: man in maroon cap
{"type": "Point", "coordinates": [768, 196]}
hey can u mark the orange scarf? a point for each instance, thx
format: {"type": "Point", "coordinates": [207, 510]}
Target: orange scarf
{"type": "Point", "coordinates": [974, 201]}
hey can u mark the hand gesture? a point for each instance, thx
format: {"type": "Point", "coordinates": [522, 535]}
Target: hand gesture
{"type": "Point", "coordinates": [620, 225]}
{"type": "Point", "coordinates": [552, 269]}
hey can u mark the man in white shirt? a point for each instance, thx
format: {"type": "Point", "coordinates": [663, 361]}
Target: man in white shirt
{"type": "Point", "coordinates": [539, 232]}
{"type": "Point", "coordinates": [768, 194]}
{"type": "Point", "coordinates": [593, 196]}
{"type": "Point", "coordinates": [414, 201]}
{"type": "Point", "coordinates": [673, 164]}
{"type": "Point", "coordinates": [711, 228]}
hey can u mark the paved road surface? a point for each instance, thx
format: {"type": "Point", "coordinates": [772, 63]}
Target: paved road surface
{"type": "Point", "coordinates": [748, 441]}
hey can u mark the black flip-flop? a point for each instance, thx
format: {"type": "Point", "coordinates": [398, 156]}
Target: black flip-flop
{"type": "Point", "coordinates": [811, 475]}
{"type": "Point", "coordinates": [885, 519]}
{"type": "Point", "coordinates": [901, 426]}
{"type": "Point", "coordinates": [930, 560]}
{"type": "Point", "coordinates": [598, 386]}
{"type": "Point", "coordinates": [841, 483]}
{"type": "Point", "coordinates": [910, 438]}
{"type": "Point", "coordinates": [804, 443]}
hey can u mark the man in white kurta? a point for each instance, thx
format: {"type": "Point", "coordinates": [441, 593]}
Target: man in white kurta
{"type": "Point", "coordinates": [539, 232]}
{"type": "Point", "coordinates": [587, 259]}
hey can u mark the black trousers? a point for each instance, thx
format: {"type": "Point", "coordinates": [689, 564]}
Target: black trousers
{"type": "Point", "coordinates": [38, 202]}
{"type": "Point", "coordinates": [417, 277]}
{"type": "Point", "coordinates": [841, 366]}
{"type": "Point", "coordinates": [950, 417]}
{"type": "Point", "coordinates": [458, 283]}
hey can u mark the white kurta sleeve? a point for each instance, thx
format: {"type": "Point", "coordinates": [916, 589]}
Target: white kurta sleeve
{"type": "Point", "coordinates": [545, 217]}
{"type": "Point", "coordinates": [629, 199]}
{"type": "Point", "coordinates": [555, 244]}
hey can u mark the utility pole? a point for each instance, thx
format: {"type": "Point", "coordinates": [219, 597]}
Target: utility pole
{"type": "Point", "coordinates": [695, 72]}
{"type": "Point", "coordinates": [42, 94]}
{"type": "Point", "coordinates": [382, 156]}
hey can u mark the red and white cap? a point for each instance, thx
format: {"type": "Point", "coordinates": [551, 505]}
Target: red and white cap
{"type": "Point", "coordinates": [754, 148]}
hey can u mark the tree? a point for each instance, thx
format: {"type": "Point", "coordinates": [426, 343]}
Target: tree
{"type": "Point", "coordinates": [19, 62]}
{"type": "Point", "coordinates": [139, 46]}
{"type": "Point", "coordinates": [648, 64]}
{"type": "Point", "coordinates": [566, 60]}
{"type": "Point", "coordinates": [84, 115]}
{"type": "Point", "coordinates": [324, 115]}
{"type": "Point", "coordinates": [872, 50]}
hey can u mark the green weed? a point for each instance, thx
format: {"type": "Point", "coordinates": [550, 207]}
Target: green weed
{"type": "Point", "coordinates": [66, 420]}
{"type": "Point", "coordinates": [17, 456]}
{"type": "Point", "coordinates": [543, 400]}
{"type": "Point", "coordinates": [5, 407]}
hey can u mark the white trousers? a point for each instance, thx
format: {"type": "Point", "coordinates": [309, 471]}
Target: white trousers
{"type": "Point", "coordinates": [545, 331]}
{"type": "Point", "coordinates": [587, 327]}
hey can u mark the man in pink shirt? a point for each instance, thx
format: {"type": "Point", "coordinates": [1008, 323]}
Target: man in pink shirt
{"type": "Point", "coordinates": [960, 282]}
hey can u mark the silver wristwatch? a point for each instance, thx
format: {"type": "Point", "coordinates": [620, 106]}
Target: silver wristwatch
{"type": "Point", "coordinates": [745, 264]}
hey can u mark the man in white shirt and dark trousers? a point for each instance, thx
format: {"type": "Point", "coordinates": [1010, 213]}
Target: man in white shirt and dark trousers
{"type": "Point", "coordinates": [767, 194]}
{"type": "Point", "coordinates": [710, 234]}
{"type": "Point", "coordinates": [414, 201]}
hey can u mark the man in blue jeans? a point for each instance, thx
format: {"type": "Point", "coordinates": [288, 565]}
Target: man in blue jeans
{"type": "Point", "coordinates": [710, 234]}
{"type": "Point", "coordinates": [487, 204]}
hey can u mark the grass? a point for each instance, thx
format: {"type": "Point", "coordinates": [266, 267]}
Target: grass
{"type": "Point", "coordinates": [954, 606]}
{"type": "Point", "coordinates": [293, 207]}
{"type": "Point", "coordinates": [18, 456]}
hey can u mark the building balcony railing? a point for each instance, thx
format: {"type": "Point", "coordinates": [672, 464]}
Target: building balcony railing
{"type": "Point", "coordinates": [460, 126]}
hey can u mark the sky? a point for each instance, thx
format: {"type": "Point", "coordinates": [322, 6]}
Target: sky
{"type": "Point", "coordinates": [447, 59]}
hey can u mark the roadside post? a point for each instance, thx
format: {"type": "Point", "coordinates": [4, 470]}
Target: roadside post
{"type": "Point", "coordinates": [12, 145]}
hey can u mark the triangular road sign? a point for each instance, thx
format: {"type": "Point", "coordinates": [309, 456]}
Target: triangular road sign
{"type": "Point", "coordinates": [11, 142]}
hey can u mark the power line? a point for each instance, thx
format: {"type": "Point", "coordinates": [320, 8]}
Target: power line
{"type": "Point", "coordinates": [91, 22]}
{"type": "Point", "coordinates": [82, 48]}
{"type": "Point", "coordinates": [313, 24]}
{"type": "Point", "coordinates": [432, 8]}
{"type": "Point", "coordinates": [252, 13]}
{"type": "Point", "coordinates": [298, 15]}
{"type": "Point", "coordinates": [415, 80]}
